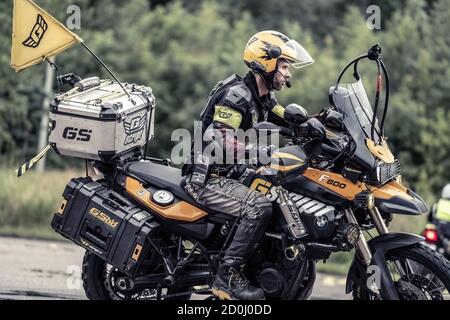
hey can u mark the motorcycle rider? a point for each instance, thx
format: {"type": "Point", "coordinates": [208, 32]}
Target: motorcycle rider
{"type": "Point", "coordinates": [239, 103]}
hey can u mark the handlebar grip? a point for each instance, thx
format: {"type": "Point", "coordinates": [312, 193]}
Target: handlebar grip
{"type": "Point", "coordinates": [329, 149]}
{"type": "Point", "coordinates": [286, 131]}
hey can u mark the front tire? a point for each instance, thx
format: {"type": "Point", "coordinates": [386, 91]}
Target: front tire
{"type": "Point", "coordinates": [419, 273]}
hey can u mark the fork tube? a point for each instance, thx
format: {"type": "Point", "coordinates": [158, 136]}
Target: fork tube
{"type": "Point", "coordinates": [362, 249]}
{"type": "Point", "coordinates": [378, 221]}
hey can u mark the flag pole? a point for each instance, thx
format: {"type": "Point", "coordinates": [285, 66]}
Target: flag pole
{"type": "Point", "coordinates": [48, 90]}
{"type": "Point", "coordinates": [107, 69]}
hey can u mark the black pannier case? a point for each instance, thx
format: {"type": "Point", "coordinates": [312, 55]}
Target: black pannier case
{"type": "Point", "coordinates": [107, 224]}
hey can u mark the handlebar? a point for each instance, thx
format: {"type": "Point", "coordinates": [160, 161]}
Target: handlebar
{"type": "Point", "coordinates": [330, 150]}
{"type": "Point", "coordinates": [286, 131]}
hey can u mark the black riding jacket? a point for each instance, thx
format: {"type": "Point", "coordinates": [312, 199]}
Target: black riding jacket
{"type": "Point", "coordinates": [234, 103]}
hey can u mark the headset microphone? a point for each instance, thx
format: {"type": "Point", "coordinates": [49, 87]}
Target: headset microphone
{"type": "Point", "coordinates": [288, 83]}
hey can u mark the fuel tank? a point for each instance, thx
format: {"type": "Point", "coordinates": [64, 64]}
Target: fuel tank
{"type": "Point", "coordinates": [289, 160]}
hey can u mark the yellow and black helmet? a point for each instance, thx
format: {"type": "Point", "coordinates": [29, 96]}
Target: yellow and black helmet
{"type": "Point", "coordinates": [263, 50]}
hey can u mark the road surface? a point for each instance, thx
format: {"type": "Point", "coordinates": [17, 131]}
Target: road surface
{"type": "Point", "coordinates": [42, 270]}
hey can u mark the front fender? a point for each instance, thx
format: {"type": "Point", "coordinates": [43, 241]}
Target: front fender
{"type": "Point", "coordinates": [380, 245]}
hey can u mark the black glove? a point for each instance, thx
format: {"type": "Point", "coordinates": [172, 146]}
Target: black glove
{"type": "Point", "coordinates": [332, 119]}
{"type": "Point", "coordinates": [312, 129]}
{"type": "Point", "coordinates": [316, 129]}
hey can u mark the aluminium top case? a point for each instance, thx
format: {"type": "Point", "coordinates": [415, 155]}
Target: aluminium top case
{"type": "Point", "coordinates": [100, 122]}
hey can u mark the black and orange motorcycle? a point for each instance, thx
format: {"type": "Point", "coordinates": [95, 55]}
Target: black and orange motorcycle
{"type": "Point", "coordinates": [145, 238]}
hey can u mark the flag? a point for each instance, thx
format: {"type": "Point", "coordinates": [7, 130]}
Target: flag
{"type": "Point", "coordinates": [37, 35]}
{"type": "Point", "coordinates": [30, 164]}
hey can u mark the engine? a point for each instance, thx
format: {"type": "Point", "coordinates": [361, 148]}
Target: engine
{"type": "Point", "coordinates": [322, 223]}
{"type": "Point", "coordinates": [320, 219]}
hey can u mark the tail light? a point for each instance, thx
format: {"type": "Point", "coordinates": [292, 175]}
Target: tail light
{"type": "Point", "coordinates": [430, 233]}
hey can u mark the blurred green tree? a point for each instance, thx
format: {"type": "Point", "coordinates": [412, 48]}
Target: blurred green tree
{"type": "Point", "coordinates": [182, 48]}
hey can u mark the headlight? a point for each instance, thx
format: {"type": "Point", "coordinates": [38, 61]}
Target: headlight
{"type": "Point", "coordinates": [385, 172]}
{"type": "Point", "coordinates": [347, 235]}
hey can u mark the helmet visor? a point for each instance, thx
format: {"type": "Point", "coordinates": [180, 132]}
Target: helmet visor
{"type": "Point", "coordinates": [296, 55]}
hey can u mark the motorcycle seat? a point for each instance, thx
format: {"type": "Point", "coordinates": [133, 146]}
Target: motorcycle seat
{"type": "Point", "coordinates": [166, 178]}
{"type": "Point", "coordinates": [160, 176]}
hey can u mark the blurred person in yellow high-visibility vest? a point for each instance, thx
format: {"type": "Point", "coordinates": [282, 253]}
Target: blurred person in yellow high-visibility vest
{"type": "Point", "coordinates": [441, 209]}
{"type": "Point", "coordinates": [440, 217]}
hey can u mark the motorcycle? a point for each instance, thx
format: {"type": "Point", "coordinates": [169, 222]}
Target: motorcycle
{"type": "Point", "coordinates": [145, 238]}
{"type": "Point", "coordinates": [436, 237]}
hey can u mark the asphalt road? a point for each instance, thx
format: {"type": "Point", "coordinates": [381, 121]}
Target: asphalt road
{"type": "Point", "coordinates": [42, 270]}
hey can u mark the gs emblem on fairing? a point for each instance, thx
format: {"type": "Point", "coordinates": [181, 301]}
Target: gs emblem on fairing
{"type": "Point", "coordinates": [134, 129]}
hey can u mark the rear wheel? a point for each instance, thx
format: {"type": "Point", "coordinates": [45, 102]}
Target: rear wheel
{"type": "Point", "coordinates": [102, 281]}
{"type": "Point", "coordinates": [419, 273]}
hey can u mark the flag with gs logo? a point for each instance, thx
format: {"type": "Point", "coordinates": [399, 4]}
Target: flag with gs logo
{"type": "Point", "coordinates": [36, 35]}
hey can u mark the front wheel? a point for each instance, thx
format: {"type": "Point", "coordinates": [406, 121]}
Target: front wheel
{"type": "Point", "coordinates": [419, 273]}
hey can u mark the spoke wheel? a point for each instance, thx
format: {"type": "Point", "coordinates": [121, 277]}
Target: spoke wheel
{"type": "Point", "coordinates": [102, 281]}
{"type": "Point", "coordinates": [419, 273]}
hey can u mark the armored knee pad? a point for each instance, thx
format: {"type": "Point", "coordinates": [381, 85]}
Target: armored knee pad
{"type": "Point", "coordinates": [257, 207]}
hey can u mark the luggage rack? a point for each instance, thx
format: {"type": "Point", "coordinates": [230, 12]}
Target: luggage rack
{"type": "Point", "coordinates": [167, 162]}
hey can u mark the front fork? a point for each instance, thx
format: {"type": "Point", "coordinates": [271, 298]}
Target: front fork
{"type": "Point", "coordinates": [362, 248]}
{"type": "Point", "coordinates": [378, 259]}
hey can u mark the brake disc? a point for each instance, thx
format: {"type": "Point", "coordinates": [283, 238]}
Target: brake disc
{"type": "Point", "coordinates": [408, 291]}
{"type": "Point", "coordinates": [425, 285]}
